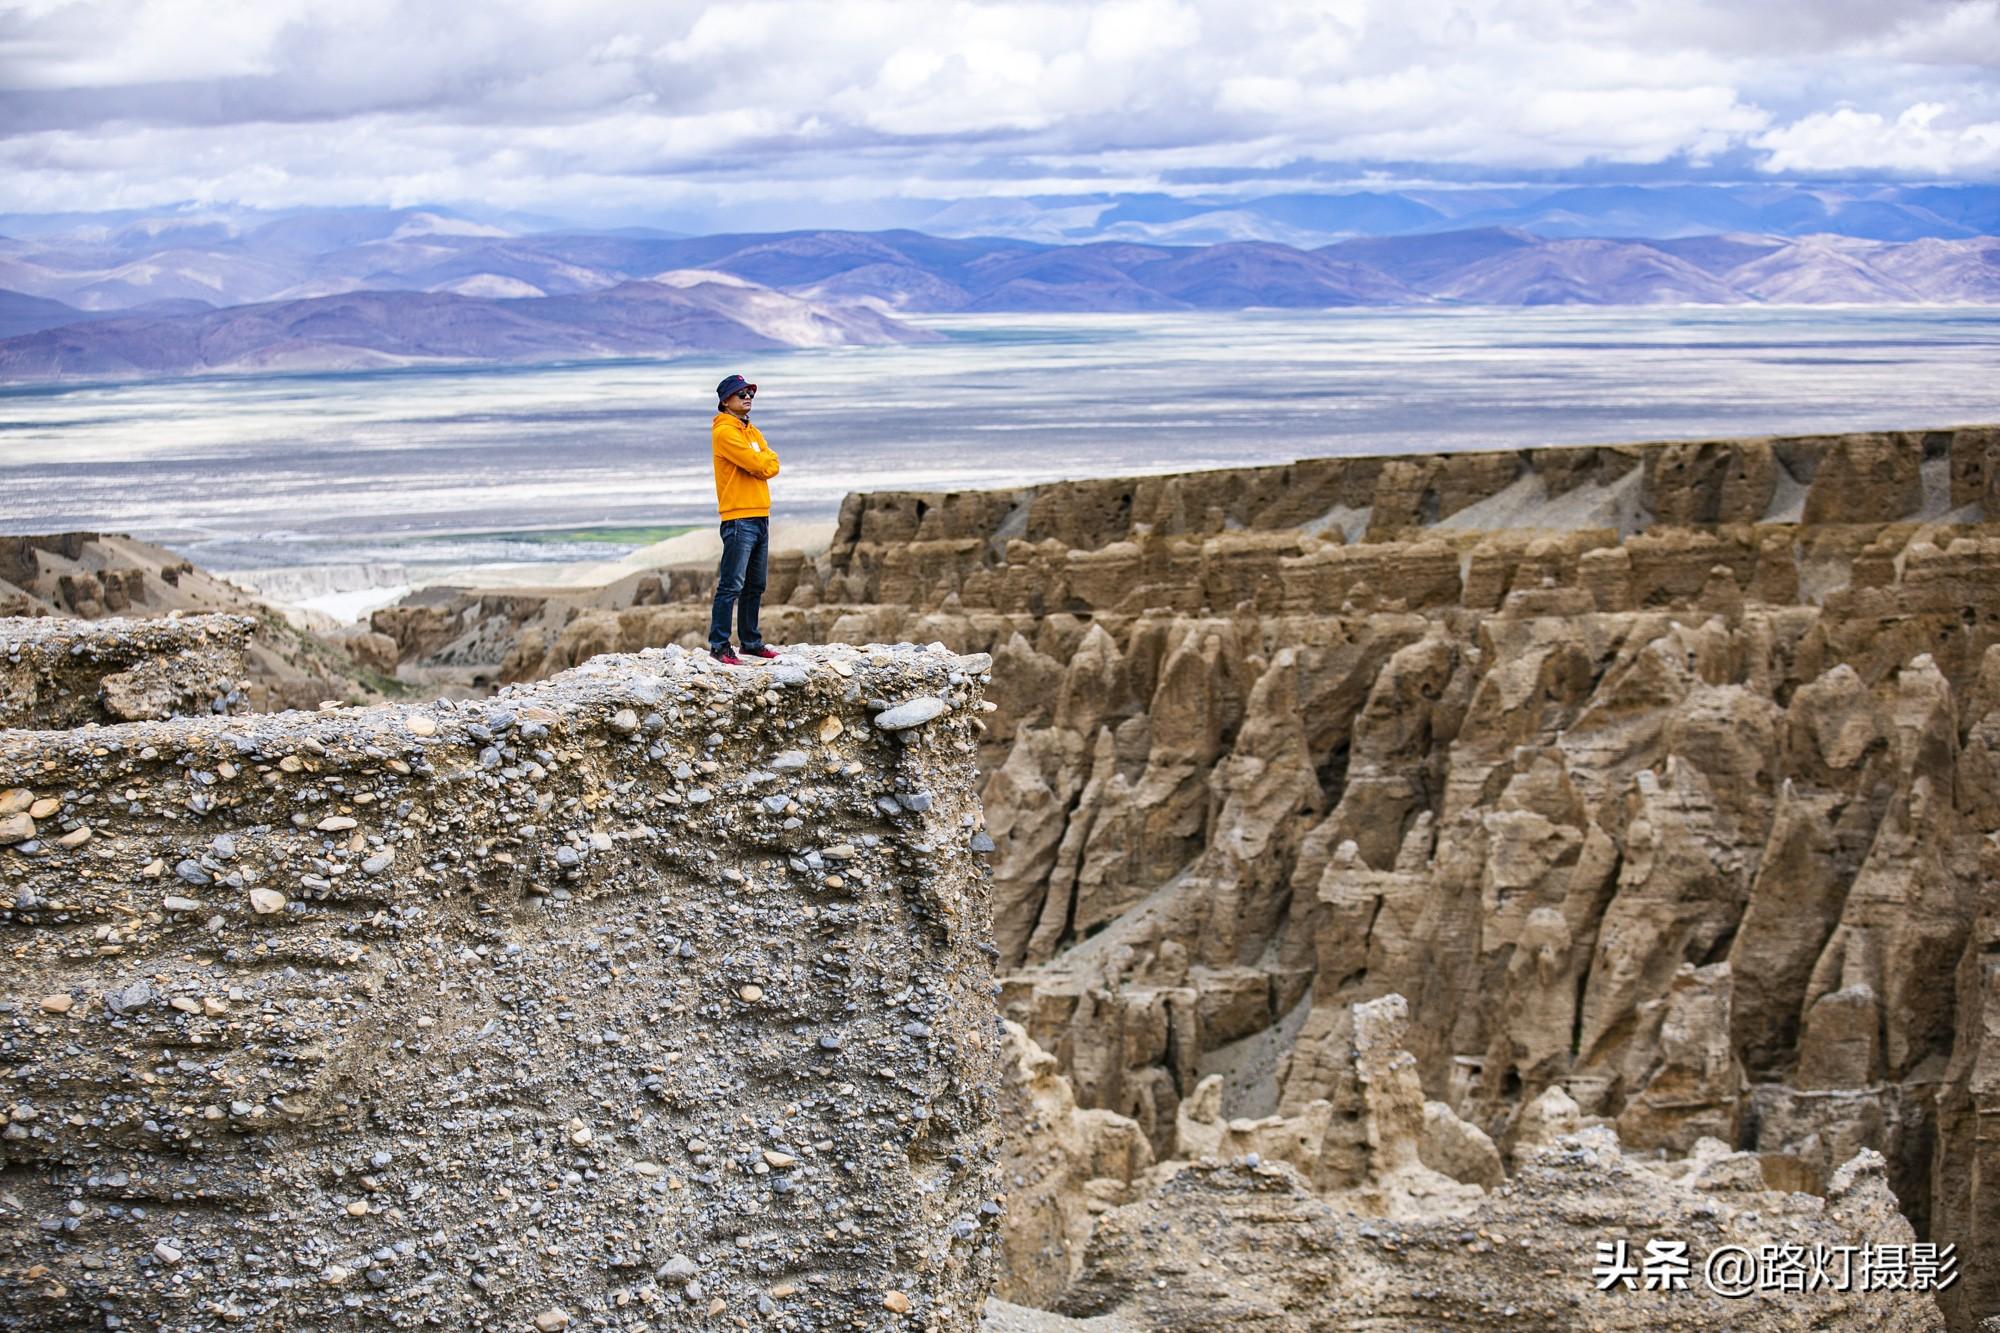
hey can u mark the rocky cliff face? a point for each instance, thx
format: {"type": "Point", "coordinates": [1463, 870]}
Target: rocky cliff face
{"type": "Point", "coordinates": [1243, 1232]}
{"type": "Point", "coordinates": [106, 577]}
{"type": "Point", "coordinates": [653, 995]}
{"type": "Point", "coordinates": [59, 672]}
{"type": "Point", "coordinates": [1658, 775]}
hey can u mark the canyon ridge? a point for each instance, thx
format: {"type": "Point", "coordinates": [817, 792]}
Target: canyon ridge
{"type": "Point", "coordinates": [1406, 874]}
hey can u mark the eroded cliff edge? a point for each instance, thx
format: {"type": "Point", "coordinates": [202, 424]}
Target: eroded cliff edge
{"type": "Point", "coordinates": [1657, 775]}
{"type": "Point", "coordinates": [57, 671]}
{"type": "Point", "coordinates": [650, 994]}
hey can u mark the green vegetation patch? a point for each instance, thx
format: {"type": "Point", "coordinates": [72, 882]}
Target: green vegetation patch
{"type": "Point", "coordinates": [570, 536]}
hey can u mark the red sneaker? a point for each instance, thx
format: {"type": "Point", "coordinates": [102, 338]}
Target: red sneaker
{"type": "Point", "coordinates": [762, 650]}
{"type": "Point", "coordinates": [727, 658]}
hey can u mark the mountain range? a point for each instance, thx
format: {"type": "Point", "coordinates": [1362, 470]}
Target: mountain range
{"type": "Point", "coordinates": [354, 288]}
{"type": "Point", "coordinates": [676, 313]}
{"type": "Point", "coordinates": [1878, 213]}
{"type": "Point", "coordinates": [1866, 210]}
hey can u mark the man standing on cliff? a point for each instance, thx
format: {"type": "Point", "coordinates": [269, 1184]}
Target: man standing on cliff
{"type": "Point", "coordinates": [744, 463]}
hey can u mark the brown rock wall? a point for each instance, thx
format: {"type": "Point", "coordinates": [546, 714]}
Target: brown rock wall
{"type": "Point", "coordinates": [57, 672]}
{"type": "Point", "coordinates": [632, 998]}
{"type": "Point", "coordinates": [1874, 477]}
{"type": "Point", "coordinates": [1378, 1209]}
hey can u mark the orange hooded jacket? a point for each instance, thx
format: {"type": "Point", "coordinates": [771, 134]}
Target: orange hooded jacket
{"type": "Point", "coordinates": [744, 461]}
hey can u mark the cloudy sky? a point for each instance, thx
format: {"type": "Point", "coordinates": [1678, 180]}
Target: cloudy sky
{"type": "Point", "coordinates": [631, 110]}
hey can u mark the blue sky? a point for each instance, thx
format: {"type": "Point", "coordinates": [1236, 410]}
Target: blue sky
{"type": "Point", "coordinates": [783, 113]}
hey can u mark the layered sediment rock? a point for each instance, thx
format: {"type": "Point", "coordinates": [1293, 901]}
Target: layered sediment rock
{"type": "Point", "coordinates": [1063, 1165]}
{"type": "Point", "coordinates": [1244, 1228]}
{"type": "Point", "coordinates": [1657, 776]}
{"type": "Point", "coordinates": [59, 672]}
{"type": "Point", "coordinates": [1584, 1235]}
{"type": "Point", "coordinates": [652, 995]}
{"type": "Point", "coordinates": [1228, 1245]}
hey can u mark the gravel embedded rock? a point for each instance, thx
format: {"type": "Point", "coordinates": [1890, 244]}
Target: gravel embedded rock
{"type": "Point", "coordinates": [58, 672]}
{"type": "Point", "coordinates": [415, 1068]}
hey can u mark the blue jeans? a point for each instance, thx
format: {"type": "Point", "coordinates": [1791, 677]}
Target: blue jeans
{"type": "Point", "coordinates": [739, 584]}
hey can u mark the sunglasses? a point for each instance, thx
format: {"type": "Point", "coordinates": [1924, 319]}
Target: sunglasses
{"type": "Point", "coordinates": [744, 393]}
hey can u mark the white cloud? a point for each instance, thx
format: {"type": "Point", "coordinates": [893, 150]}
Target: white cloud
{"type": "Point", "coordinates": [531, 104]}
{"type": "Point", "coordinates": [137, 41]}
{"type": "Point", "coordinates": [1914, 141]}
{"type": "Point", "coordinates": [1124, 31]}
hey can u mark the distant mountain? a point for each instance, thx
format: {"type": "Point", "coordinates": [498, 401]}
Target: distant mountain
{"type": "Point", "coordinates": [1233, 277]}
{"type": "Point", "coordinates": [1219, 226]}
{"type": "Point", "coordinates": [195, 292]}
{"type": "Point", "coordinates": [20, 313]}
{"type": "Point", "coordinates": [1295, 219]}
{"type": "Point", "coordinates": [1821, 270]}
{"type": "Point", "coordinates": [432, 262]}
{"type": "Point", "coordinates": [686, 312]}
{"type": "Point", "coordinates": [1422, 260]}
{"type": "Point", "coordinates": [324, 230]}
{"type": "Point", "coordinates": [1586, 272]}
{"type": "Point", "coordinates": [110, 278]}
{"type": "Point", "coordinates": [1966, 271]}
{"type": "Point", "coordinates": [1068, 277]}
{"type": "Point", "coordinates": [1974, 207]}
{"type": "Point", "coordinates": [1623, 210]}
{"type": "Point", "coordinates": [889, 286]}
{"type": "Point", "coordinates": [907, 272]}
{"type": "Point", "coordinates": [1115, 253]}
{"type": "Point", "coordinates": [1361, 214]}
{"type": "Point", "coordinates": [1864, 210]}
{"type": "Point", "coordinates": [1718, 254]}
